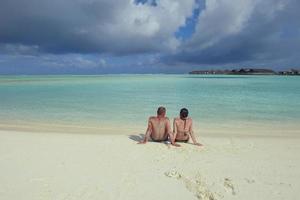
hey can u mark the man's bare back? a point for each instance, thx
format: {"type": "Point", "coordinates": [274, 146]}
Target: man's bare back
{"type": "Point", "coordinates": [159, 128]}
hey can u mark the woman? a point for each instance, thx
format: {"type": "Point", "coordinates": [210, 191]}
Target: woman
{"type": "Point", "coordinates": [183, 128]}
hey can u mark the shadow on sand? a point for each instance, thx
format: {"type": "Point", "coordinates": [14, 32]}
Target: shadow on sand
{"type": "Point", "coordinates": [140, 137]}
{"type": "Point", "coordinates": [137, 138]}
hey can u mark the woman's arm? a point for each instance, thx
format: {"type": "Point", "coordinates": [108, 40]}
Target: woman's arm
{"type": "Point", "coordinates": [173, 135]}
{"type": "Point", "coordinates": [191, 131]}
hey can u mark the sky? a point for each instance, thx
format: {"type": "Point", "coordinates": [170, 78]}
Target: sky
{"type": "Point", "coordinates": [147, 36]}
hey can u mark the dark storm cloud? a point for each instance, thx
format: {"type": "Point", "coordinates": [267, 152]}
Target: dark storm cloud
{"type": "Point", "coordinates": [102, 26]}
{"type": "Point", "coordinates": [55, 26]}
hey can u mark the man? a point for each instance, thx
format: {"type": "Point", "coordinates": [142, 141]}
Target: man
{"type": "Point", "coordinates": [183, 128]}
{"type": "Point", "coordinates": [159, 128]}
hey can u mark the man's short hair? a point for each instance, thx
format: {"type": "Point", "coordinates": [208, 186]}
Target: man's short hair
{"type": "Point", "coordinates": [161, 110]}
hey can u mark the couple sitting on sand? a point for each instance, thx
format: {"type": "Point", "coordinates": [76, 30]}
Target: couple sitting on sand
{"type": "Point", "coordinates": [159, 128]}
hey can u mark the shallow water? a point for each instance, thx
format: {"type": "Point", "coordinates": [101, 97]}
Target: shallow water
{"type": "Point", "coordinates": [108, 102]}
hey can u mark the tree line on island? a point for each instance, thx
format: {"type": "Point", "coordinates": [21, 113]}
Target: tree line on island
{"type": "Point", "coordinates": [247, 71]}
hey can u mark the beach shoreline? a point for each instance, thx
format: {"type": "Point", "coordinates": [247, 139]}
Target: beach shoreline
{"type": "Point", "coordinates": [41, 165]}
{"type": "Point", "coordinates": [207, 130]}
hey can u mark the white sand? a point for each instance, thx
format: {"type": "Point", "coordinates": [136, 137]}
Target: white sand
{"type": "Point", "coordinates": [90, 166]}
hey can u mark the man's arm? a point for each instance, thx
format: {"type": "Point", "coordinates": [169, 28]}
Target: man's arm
{"type": "Point", "coordinates": [192, 135]}
{"type": "Point", "coordinates": [148, 132]}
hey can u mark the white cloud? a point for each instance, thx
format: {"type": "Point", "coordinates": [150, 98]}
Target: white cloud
{"type": "Point", "coordinates": [220, 19]}
{"type": "Point", "coordinates": [223, 18]}
{"type": "Point", "coordinates": [146, 26]}
{"type": "Point", "coordinates": [238, 32]}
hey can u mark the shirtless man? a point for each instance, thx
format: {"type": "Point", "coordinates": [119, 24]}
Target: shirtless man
{"type": "Point", "coordinates": [183, 128]}
{"type": "Point", "coordinates": [159, 128]}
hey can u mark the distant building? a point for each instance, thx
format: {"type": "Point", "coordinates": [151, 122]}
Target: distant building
{"type": "Point", "coordinates": [289, 72]}
{"type": "Point", "coordinates": [250, 71]}
{"type": "Point", "coordinates": [208, 72]}
{"type": "Point", "coordinates": [243, 71]}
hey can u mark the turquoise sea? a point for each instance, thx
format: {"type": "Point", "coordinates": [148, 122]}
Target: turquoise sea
{"type": "Point", "coordinates": [122, 103]}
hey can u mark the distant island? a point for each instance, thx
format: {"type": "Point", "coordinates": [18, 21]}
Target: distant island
{"type": "Point", "coordinates": [247, 71]}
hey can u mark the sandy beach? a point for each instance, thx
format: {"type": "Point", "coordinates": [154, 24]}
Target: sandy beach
{"type": "Point", "coordinates": [64, 166]}
{"type": "Point", "coordinates": [84, 84]}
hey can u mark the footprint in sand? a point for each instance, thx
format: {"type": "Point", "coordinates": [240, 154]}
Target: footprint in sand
{"type": "Point", "coordinates": [198, 187]}
{"type": "Point", "coordinates": [229, 186]}
{"type": "Point", "coordinates": [173, 174]}
{"type": "Point", "coordinates": [250, 181]}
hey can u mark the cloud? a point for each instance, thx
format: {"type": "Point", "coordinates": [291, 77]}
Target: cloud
{"type": "Point", "coordinates": [19, 49]}
{"type": "Point", "coordinates": [239, 32]}
{"type": "Point", "coordinates": [72, 61]}
{"type": "Point", "coordinates": [146, 36]}
{"type": "Point", "coordinates": [93, 26]}
{"type": "Point", "coordinates": [220, 19]}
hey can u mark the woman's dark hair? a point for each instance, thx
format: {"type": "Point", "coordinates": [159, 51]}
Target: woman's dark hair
{"type": "Point", "coordinates": [184, 113]}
